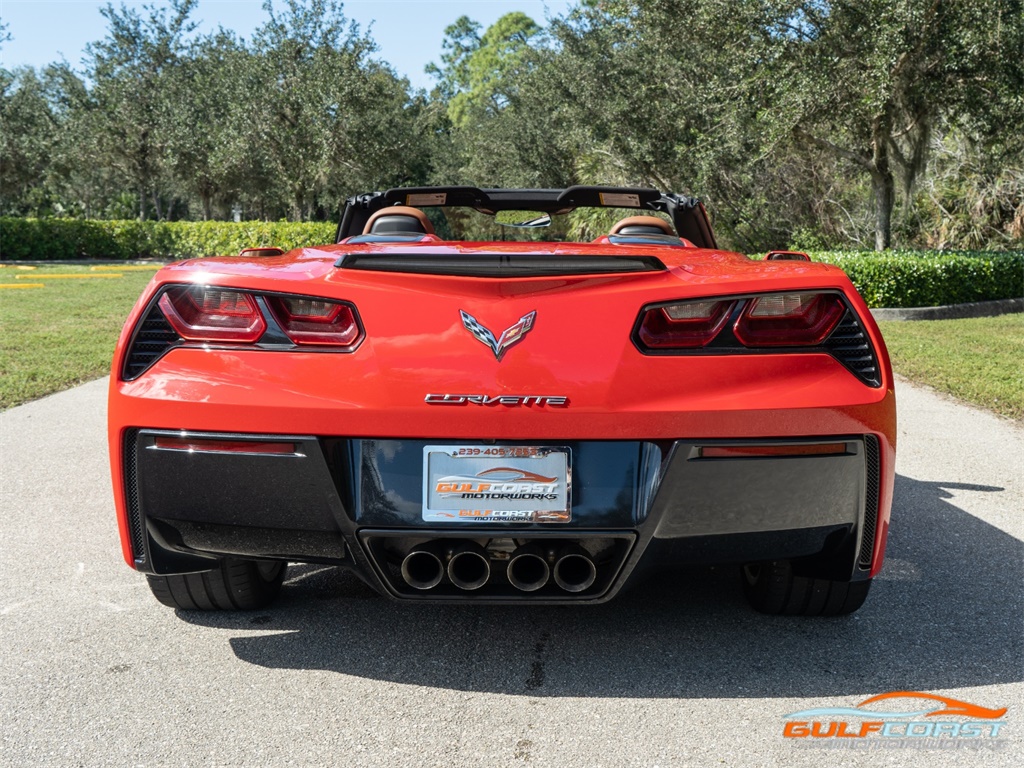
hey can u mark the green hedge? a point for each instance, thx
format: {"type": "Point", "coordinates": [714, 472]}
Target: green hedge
{"type": "Point", "coordinates": [64, 239]}
{"type": "Point", "coordinates": [889, 279]}
{"type": "Point", "coordinates": [928, 278]}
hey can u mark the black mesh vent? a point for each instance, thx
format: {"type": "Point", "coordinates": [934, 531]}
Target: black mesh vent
{"type": "Point", "coordinates": [867, 542]}
{"type": "Point", "coordinates": [850, 345]}
{"type": "Point", "coordinates": [154, 337]}
{"type": "Point", "coordinates": [131, 496]}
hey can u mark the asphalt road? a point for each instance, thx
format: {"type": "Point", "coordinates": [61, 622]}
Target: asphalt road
{"type": "Point", "coordinates": [94, 672]}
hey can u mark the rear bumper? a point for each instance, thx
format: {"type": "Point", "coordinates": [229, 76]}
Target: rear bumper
{"type": "Point", "coordinates": [636, 506]}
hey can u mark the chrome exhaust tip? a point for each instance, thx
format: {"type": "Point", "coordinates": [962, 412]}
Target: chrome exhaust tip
{"type": "Point", "coordinates": [469, 567]}
{"type": "Point", "coordinates": [422, 568]}
{"type": "Point", "coordinates": [528, 570]}
{"type": "Point", "coordinates": [574, 570]}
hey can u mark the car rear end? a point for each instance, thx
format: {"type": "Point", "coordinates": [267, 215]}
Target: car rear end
{"type": "Point", "coordinates": [508, 423]}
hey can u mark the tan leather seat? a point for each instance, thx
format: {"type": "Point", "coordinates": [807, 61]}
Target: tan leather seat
{"type": "Point", "coordinates": [642, 225]}
{"type": "Point", "coordinates": [398, 219]}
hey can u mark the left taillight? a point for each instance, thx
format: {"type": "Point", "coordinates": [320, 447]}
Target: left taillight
{"type": "Point", "coordinates": [203, 313]}
{"type": "Point", "coordinates": [186, 315]}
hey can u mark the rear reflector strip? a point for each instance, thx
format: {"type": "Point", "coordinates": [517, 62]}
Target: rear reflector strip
{"type": "Point", "coordinates": [202, 445]}
{"type": "Point", "coordinates": [136, 531]}
{"type": "Point", "coordinates": [746, 451]}
{"type": "Point", "coordinates": [872, 488]}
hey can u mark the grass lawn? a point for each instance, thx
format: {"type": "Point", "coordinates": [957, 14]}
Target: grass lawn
{"type": "Point", "coordinates": [63, 334]}
{"type": "Point", "coordinates": [980, 360]}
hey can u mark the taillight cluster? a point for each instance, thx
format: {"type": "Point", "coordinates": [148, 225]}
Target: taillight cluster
{"type": "Point", "coordinates": [202, 313]}
{"type": "Point", "coordinates": [772, 320]}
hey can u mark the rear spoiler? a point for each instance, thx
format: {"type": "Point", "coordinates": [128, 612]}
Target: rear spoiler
{"type": "Point", "coordinates": [500, 265]}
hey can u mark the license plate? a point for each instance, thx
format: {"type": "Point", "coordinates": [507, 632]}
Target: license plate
{"type": "Point", "coordinates": [495, 484]}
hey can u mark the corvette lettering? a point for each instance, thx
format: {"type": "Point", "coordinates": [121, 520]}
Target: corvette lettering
{"type": "Point", "coordinates": [510, 400]}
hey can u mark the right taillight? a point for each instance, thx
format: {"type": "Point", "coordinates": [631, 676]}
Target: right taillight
{"type": "Point", "coordinates": [684, 325]}
{"type": "Point", "coordinates": [204, 313]}
{"type": "Point", "coordinates": [769, 323]}
{"type": "Point", "coordinates": [789, 319]}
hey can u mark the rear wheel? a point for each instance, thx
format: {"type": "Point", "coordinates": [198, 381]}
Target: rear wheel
{"type": "Point", "coordinates": [236, 585]}
{"type": "Point", "coordinates": [773, 588]}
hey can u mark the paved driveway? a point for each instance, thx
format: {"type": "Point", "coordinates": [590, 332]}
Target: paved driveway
{"type": "Point", "coordinates": [94, 672]}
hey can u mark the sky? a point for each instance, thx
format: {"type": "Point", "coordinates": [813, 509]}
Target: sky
{"type": "Point", "coordinates": [409, 32]}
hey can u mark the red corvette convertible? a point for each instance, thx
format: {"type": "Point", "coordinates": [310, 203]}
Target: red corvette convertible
{"type": "Point", "coordinates": [457, 417]}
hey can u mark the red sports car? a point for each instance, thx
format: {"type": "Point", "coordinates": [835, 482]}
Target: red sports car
{"type": "Point", "coordinates": [456, 417]}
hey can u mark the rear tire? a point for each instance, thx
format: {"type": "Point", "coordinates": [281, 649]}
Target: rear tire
{"type": "Point", "coordinates": [236, 585]}
{"type": "Point", "coordinates": [774, 589]}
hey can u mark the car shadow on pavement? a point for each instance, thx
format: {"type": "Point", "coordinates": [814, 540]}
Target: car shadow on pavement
{"type": "Point", "coordinates": [946, 613]}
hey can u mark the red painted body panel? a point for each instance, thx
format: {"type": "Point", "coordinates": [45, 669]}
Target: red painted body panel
{"type": "Point", "coordinates": [579, 347]}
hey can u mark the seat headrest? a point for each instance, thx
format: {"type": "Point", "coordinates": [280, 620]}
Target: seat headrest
{"type": "Point", "coordinates": [398, 218]}
{"type": "Point", "coordinates": [642, 225]}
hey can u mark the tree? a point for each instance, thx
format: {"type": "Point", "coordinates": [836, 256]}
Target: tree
{"type": "Point", "coordinates": [461, 40]}
{"type": "Point", "coordinates": [654, 94]}
{"type": "Point", "coordinates": [28, 132]}
{"type": "Point", "coordinates": [488, 73]}
{"type": "Point", "coordinates": [327, 118]}
{"type": "Point", "coordinates": [203, 92]}
{"type": "Point", "coordinates": [503, 123]}
{"type": "Point", "coordinates": [79, 179]}
{"type": "Point", "coordinates": [868, 80]}
{"type": "Point", "coordinates": [746, 101]}
{"type": "Point", "coordinates": [130, 70]}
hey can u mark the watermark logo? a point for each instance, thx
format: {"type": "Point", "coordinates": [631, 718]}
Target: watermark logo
{"type": "Point", "coordinates": [925, 720]}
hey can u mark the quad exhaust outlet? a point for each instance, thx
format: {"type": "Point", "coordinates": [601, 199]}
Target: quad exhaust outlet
{"type": "Point", "coordinates": [528, 569]}
{"type": "Point", "coordinates": [574, 569]}
{"type": "Point", "coordinates": [423, 568]}
{"type": "Point", "coordinates": [467, 566]}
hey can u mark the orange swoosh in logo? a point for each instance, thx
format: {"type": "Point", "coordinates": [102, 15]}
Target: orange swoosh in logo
{"type": "Point", "coordinates": [532, 477]}
{"type": "Point", "coordinates": [951, 706]}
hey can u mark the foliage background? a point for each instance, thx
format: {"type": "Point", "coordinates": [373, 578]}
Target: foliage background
{"type": "Point", "coordinates": [890, 279]}
{"type": "Point", "coordinates": [53, 239]}
{"type": "Point", "coordinates": [810, 124]}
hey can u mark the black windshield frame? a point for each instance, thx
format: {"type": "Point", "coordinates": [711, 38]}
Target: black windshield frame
{"type": "Point", "coordinates": [686, 213]}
